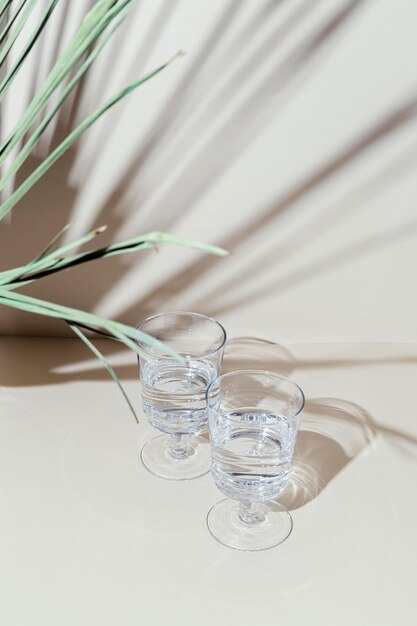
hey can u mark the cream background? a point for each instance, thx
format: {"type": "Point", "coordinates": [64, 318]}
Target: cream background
{"type": "Point", "coordinates": [288, 133]}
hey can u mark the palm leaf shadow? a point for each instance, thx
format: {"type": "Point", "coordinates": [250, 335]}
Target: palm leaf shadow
{"type": "Point", "coordinates": [281, 75]}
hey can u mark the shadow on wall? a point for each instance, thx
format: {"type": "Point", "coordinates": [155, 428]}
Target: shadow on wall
{"type": "Point", "coordinates": [34, 221]}
{"type": "Point", "coordinates": [267, 217]}
{"type": "Point", "coordinates": [247, 119]}
{"type": "Point", "coordinates": [243, 236]}
{"type": "Point", "coordinates": [179, 128]}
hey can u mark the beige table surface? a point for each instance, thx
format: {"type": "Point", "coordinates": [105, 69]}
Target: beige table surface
{"type": "Point", "coordinates": [89, 538]}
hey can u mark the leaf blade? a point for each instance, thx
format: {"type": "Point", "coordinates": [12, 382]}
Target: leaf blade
{"type": "Point", "coordinates": [93, 24]}
{"type": "Point", "coordinates": [106, 364]}
{"type": "Point", "coordinates": [34, 138]}
{"type": "Point", "coordinates": [16, 31]}
{"type": "Point", "coordinates": [52, 264]}
{"type": "Point", "coordinates": [123, 331]}
{"type": "Point", "coordinates": [11, 74]}
{"type": "Point", "coordinates": [72, 137]}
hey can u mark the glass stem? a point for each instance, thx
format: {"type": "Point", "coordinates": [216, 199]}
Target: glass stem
{"type": "Point", "coordinates": [178, 448]}
{"type": "Point", "coordinates": [249, 513]}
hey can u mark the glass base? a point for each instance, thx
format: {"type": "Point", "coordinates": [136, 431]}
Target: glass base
{"type": "Point", "coordinates": [225, 525]}
{"type": "Point", "coordinates": [157, 457]}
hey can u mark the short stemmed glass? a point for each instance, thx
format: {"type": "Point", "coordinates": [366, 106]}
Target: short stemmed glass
{"type": "Point", "coordinates": [253, 419]}
{"type": "Point", "coordinates": [174, 391]}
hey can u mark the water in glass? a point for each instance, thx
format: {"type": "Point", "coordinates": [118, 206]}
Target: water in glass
{"type": "Point", "coordinates": [173, 393]}
{"type": "Point", "coordinates": [251, 454]}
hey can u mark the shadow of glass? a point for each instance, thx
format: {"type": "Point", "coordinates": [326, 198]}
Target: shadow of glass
{"type": "Point", "coordinates": [243, 353]}
{"type": "Point", "coordinates": [333, 433]}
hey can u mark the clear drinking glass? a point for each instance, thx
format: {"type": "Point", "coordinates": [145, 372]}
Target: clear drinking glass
{"type": "Point", "coordinates": [174, 392]}
{"type": "Point", "coordinates": [253, 419]}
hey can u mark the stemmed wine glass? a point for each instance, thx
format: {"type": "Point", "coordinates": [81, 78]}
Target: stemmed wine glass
{"type": "Point", "coordinates": [253, 419]}
{"type": "Point", "coordinates": [173, 390]}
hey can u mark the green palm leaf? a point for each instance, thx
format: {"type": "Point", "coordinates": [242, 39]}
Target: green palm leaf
{"type": "Point", "coordinates": [72, 137]}
{"type": "Point", "coordinates": [14, 32]}
{"type": "Point", "coordinates": [53, 262]}
{"type": "Point", "coordinates": [27, 48]}
{"type": "Point", "coordinates": [94, 32]}
{"type": "Point", "coordinates": [29, 145]}
{"type": "Point", "coordinates": [94, 24]}
{"type": "Point", "coordinates": [107, 365]}
{"type": "Point", "coordinates": [127, 334]}
{"type": "Point", "coordinates": [4, 5]}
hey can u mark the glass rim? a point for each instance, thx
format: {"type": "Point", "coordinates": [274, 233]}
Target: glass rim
{"type": "Point", "coordinates": [265, 372]}
{"type": "Point", "coordinates": [192, 314]}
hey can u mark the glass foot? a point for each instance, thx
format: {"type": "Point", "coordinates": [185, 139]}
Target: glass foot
{"type": "Point", "coordinates": [160, 459]}
{"type": "Point", "coordinates": [225, 525]}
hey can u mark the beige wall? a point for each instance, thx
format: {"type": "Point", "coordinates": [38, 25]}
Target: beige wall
{"type": "Point", "coordinates": [288, 133]}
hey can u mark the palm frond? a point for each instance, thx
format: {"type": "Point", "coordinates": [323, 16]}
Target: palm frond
{"type": "Point", "coordinates": [52, 243]}
{"type": "Point", "coordinates": [27, 48]}
{"type": "Point", "coordinates": [127, 334]}
{"type": "Point", "coordinates": [50, 114]}
{"type": "Point", "coordinates": [4, 5]}
{"type": "Point", "coordinates": [93, 25]}
{"type": "Point", "coordinates": [92, 35]}
{"type": "Point", "coordinates": [72, 137]}
{"type": "Point", "coordinates": [18, 20]}
{"type": "Point", "coordinates": [47, 260]}
{"type": "Point", "coordinates": [54, 262]}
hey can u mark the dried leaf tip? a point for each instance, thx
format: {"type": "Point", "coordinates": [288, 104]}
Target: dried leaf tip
{"type": "Point", "coordinates": [100, 229]}
{"type": "Point", "coordinates": [176, 56]}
